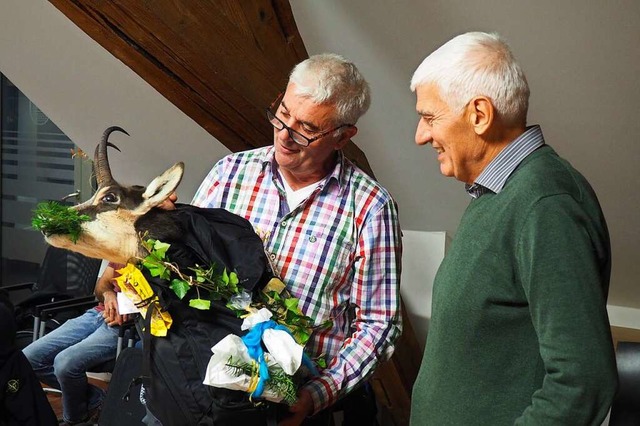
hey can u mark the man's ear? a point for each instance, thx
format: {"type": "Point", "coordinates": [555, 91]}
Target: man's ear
{"type": "Point", "coordinates": [345, 136]}
{"type": "Point", "coordinates": [481, 114]}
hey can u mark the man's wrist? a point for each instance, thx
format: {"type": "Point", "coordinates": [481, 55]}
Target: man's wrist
{"type": "Point", "coordinates": [106, 293]}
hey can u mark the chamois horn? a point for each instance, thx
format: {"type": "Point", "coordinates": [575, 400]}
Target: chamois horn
{"type": "Point", "coordinates": [101, 160]}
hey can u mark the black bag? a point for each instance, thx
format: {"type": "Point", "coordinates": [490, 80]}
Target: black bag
{"type": "Point", "coordinates": [22, 400]}
{"type": "Point", "coordinates": [122, 406]}
{"type": "Point", "coordinates": [176, 367]}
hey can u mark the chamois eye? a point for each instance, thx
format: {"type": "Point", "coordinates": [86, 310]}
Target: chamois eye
{"type": "Point", "coordinates": [110, 198]}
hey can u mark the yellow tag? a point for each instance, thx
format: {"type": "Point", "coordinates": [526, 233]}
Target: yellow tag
{"type": "Point", "coordinates": [135, 286]}
{"type": "Point", "coordinates": [160, 321]}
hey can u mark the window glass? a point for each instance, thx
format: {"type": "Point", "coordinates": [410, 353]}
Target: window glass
{"type": "Point", "coordinates": [37, 164]}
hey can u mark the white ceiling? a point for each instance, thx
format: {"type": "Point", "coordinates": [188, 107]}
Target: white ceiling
{"type": "Point", "coordinates": [582, 60]}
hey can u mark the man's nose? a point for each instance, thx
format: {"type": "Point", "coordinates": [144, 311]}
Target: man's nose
{"type": "Point", "coordinates": [283, 134]}
{"type": "Point", "coordinates": [423, 134]}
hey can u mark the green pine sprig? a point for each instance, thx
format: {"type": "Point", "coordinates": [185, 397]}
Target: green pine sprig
{"type": "Point", "coordinates": [279, 382]}
{"type": "Point", "coordinates": [53, 218]}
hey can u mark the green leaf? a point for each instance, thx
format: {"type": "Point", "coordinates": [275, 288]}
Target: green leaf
{"type": "Point", "coordinates": [200, 304]}
{"type": "Point", "coordinates": [155, 269]}
{"type": "Point", "coordinates": [225, 277]}
{"type": "Point", "coordinates": [160, 249]}
{"type": "Point", "coordinates": [301, 336]}
{"type": "Point", "coordinates": [292, 304]}
{"type": "Point", "coordinates": [179, 287]}
{"type": "Point", "coordinates": [322, 363]}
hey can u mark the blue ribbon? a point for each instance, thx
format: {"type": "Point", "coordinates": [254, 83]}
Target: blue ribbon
{"type": "Point", "coordinates": [253, 342]}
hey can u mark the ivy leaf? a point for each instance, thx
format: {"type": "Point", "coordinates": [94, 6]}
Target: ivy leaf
{"type": "Point", "coordinates": [179, 287]}
{"type": "Point", "coordinates": [154, 268]}
{"type": "Point", "coordinates": [200, 304]}
{"type": "Point", "coordinates": [301, 336]}
{"type": "Point", "coordinates": [233, 282]}
{"type": "Point", "coordinates": [225, 277]}
{"type": "Point", "coordinates": [160, 249]}
{"type": "Point", "coordinates": [292, 304]}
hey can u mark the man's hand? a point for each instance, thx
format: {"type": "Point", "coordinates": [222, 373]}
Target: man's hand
{"type": "Point", "coordinates": [111, 314]}
{"type": "Point", "coordinates": [302, 409]}
{"type": "Point", "coordinates": [169, 203]}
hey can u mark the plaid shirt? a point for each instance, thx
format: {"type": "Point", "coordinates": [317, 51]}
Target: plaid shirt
{"type": "Point", "coordinates": [338, 252]}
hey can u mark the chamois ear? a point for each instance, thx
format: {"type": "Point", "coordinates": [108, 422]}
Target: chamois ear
{"type": "Point", "coordinates": [160, 188]}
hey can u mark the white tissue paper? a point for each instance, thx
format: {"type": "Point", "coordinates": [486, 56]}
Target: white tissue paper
{"type": "Point", "coordinates": [218, 374]}
{"type": "Point", "coordinates": [284, 349]}
{"type": "Point", "coordinates": [256, 318]}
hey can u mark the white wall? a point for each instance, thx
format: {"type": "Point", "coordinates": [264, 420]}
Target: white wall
{"type": "Point", "coordinates": [422, 254]}
{"type": "Point", "coordinates": [84, 89]}
{"type": "Point", "coordinates": [582, 61]}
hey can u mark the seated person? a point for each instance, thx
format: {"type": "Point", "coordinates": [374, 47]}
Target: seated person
{"type": "Point", "coordinates": [62, 358]}
{"type": "Point", "coordinates": [22, 400]}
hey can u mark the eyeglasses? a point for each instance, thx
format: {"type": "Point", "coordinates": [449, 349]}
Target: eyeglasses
{"type": "Point", "coordinates": [296, 136]}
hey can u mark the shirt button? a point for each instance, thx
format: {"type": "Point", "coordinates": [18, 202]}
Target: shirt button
{"type": "Point", "coordinates": [312, 239]}
{"type": "Point", "coordinates": [283, 224]}
{"type": "Point", "coordinates": [272, 256]}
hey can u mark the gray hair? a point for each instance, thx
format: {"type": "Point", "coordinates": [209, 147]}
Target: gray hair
{"type": "Point", "coordinates": [477, 64]}
{"type": "Point", "coordinates": [331, 78]}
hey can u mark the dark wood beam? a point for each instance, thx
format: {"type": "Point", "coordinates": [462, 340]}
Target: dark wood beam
{"type": "Point", "coordinates": [220, 61]}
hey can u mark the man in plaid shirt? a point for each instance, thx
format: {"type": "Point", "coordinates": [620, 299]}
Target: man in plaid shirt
{"type": "Point", "coordinates": [330, 230]}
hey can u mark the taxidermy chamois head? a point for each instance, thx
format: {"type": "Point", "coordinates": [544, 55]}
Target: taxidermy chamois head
{"type": "Point", "coordinates": [119, 215]}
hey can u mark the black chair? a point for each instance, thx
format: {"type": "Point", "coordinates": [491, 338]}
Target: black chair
{"type": "Point", "coordinates": [63, 275]}
{"type": "Point", "coordinates": [625, 410]}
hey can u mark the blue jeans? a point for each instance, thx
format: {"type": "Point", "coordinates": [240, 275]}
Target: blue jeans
{"type": "Point", "coordinates": [62, 358]}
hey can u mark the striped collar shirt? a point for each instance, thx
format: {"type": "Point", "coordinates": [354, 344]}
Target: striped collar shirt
{"type": "Point", "coordinates": [495, 175]}
{"type": "Point", "coordinates": [338, 251]}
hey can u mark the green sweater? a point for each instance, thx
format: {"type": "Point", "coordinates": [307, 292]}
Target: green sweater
{"type": "Point", "coordinates": [519, 332]}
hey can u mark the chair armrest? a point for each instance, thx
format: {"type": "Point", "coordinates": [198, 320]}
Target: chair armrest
{"type": "Point", "coordinates": [91, 300]}
{"type": "Point", "coordinates": [48, 312]}
{"type": "Point", "coordinates": [21, 286]}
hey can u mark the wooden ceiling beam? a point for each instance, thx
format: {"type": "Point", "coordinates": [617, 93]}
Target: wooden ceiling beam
{"type": "Point", "coordinates": [222, 62]}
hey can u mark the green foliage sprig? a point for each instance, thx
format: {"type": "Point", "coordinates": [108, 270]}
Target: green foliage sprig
{"type": "Point", "coordinates": [219, 286]}
{"type": "Point", "coordinates": [223, 285]}
{"type": "Point", "coordinates": [279, 381]}
{"type": "Point", "coordinates": [285, 311]}
{"type": "Point", "coordinates": [53, 218]}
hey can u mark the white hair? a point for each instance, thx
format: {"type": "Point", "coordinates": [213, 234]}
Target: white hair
{"type": "Point", "coordinates": [477, 64]}
{"type": "Point", "coordinates": [331, 78]}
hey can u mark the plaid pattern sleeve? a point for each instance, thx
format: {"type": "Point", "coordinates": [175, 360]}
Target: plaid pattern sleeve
{"type": "Point", "coordinates": [338, 252]}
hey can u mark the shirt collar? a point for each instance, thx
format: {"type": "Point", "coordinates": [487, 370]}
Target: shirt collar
{"type": "Point", "coordinates": [495, 175]}
{"type": "Point", "coordinates": [337, 174]}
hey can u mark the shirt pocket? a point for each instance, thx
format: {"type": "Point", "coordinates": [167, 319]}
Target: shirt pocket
{"type": "Point", "coordinates": [323, 259]}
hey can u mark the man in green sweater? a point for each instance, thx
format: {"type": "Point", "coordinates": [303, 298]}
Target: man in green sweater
{"type": "Point", "coordinates": [519, 332]}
